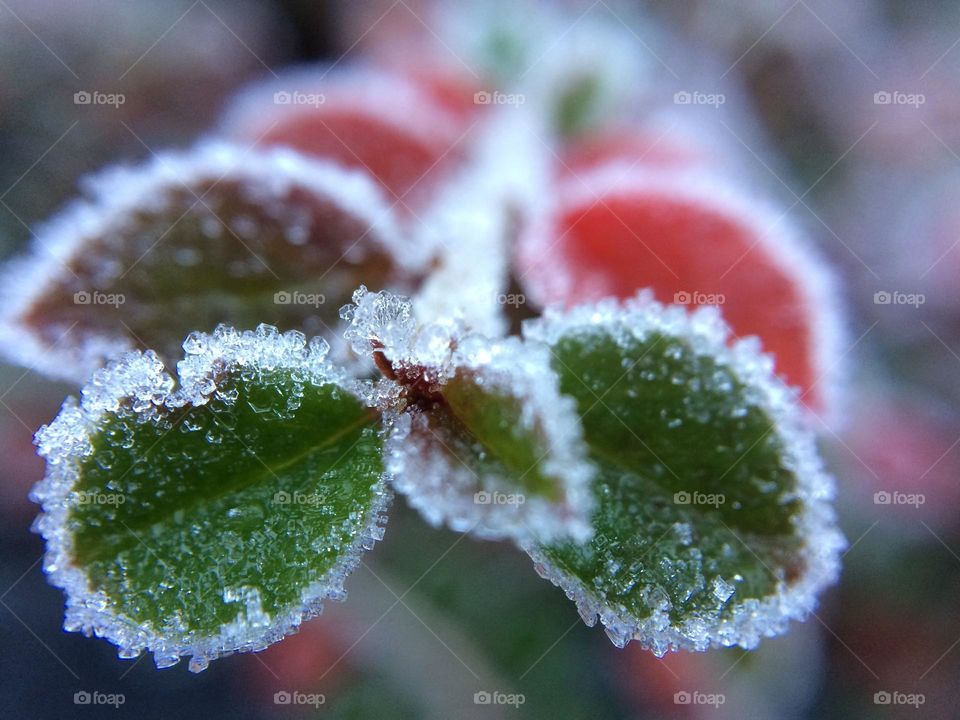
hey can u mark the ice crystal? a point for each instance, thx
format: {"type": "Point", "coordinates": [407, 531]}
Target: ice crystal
{"type": "Point", "coordinates": [440, 452]}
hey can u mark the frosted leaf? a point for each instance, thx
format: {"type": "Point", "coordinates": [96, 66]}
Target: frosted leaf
{"type": "Point", "coordinates": [212, 514]}
{"type": "Point", "coordinates": [713, 525]}
{"type": "Point", "coordinates": [215, 234]}
{"type": "Point", "coordinates": [694, 241]}
{"type": "Point", "coordinates": [594, 73]}
{"type": "Point", "coordinates": [480, 437]}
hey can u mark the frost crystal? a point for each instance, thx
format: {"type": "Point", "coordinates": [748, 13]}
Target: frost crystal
{"type": "Point", "coordinates": [472, 224]}
{"type": "Point", "coordinates": [380, 321]}
{"type": "Point", "coordinates": [138, 382]}
{"type": "Point", "coordinates": [434, 454]}
{"type": "Point", "coordinates": [745, 622]}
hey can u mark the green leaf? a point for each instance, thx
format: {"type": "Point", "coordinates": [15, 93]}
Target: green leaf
{"type": "Point", "coordinates": [480, 437]}
{"type": "Point", "coordinates": [575, 106]}
{"type": "Point", "coordinates": [190, 240]}
{"type": "Point", "coordinates": [214, 516]}
{"type": "Point", "coordinates": [491, 416]}
{"type": "Point", "coordinates": [712, 526]}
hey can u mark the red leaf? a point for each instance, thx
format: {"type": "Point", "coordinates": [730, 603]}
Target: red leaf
{"type": "Point", "coordinates": [406, 133]}
{"type": "Point", "coordinates": [616, 230]}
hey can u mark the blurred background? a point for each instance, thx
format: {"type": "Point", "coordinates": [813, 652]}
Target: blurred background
{"type": "Point", "coordinates": [848, 114]}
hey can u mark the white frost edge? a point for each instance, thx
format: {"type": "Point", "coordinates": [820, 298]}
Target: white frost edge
{"type": "Point", "coordinates": [142, 378]}
{"type": "Point", "coordinates": [474, 222]}
{"type": "Point", "coordinates": [775, 235]}
{"type": "Point", "coordinates": [116, 193]}
{"type": "Point", "coordinates": [823, 543]}
{"type": "Point", "coordinates": [442, 488]}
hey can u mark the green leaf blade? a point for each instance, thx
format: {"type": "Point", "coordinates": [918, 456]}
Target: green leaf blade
{"type": "Point", "coordinates": [481, 438]}
{"type": "Point", "coordinates": [490, 416]}
{"type": "Point", "coordinates": [217, 518]}
{"type": "Point", "coordinates": [655, 413]}
{"type": "Point", "coordinates": [713, 525]}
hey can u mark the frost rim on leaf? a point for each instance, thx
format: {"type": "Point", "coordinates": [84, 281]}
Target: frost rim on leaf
{"type": "Point", "coordinates": [774, 234]}
{"type": "Point", "coordinates": [142, 379]}
{"type": "Point", "coordinates": [816, 525]}
{"type": "Point", "coordinates": [116, 194]}
{"type": "Point", "coordinates": [443, 490]}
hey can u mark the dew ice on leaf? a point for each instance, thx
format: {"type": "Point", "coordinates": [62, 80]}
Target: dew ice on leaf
{"type": "Point", "coordinates": [695, 242]}
{"type": "Point", "coordinates": [713, 525]}
{"type": "Point", "coordinates": [489, 453]}
{"type": "Point", "coordinates": [214, 515]}
{"type": "Point", "coordinates": [218, 234]}
{"type": "Point", "coordinates": [480, 437]}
